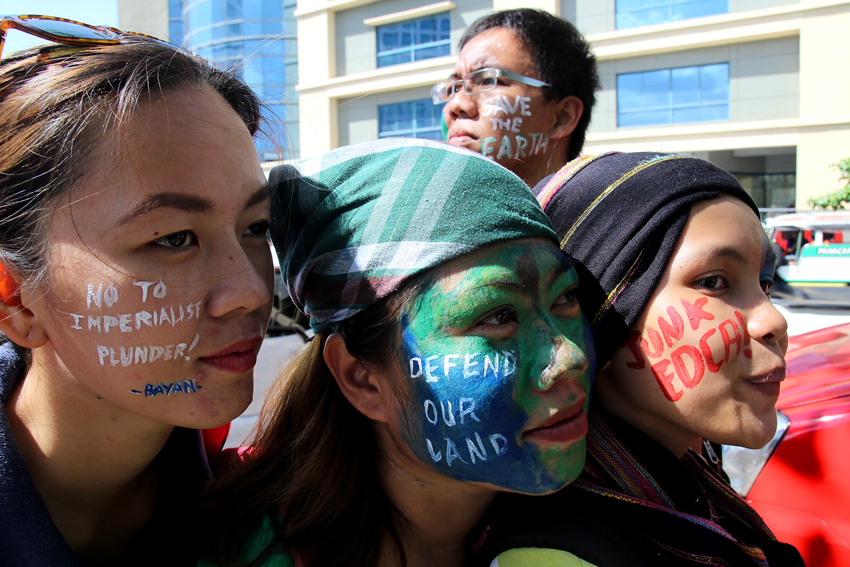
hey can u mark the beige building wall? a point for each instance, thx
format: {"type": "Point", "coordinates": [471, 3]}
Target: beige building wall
{"type": "Point", "coordinates": [788, 80]}
{"type": "Point", "coordinates": [150, 17]}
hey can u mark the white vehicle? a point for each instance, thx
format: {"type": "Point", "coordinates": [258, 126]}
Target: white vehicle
{"type": "Point", "coordinates": [813, 285]}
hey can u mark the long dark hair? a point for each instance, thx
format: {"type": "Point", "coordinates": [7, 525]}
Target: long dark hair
{"type": "Point", "coordinates": [312, 463]}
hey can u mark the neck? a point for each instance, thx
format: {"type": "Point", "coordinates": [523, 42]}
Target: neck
{"type": "Point", "coordinates": [438, 514]}
{"type": "Point", "coordinates": [672, 437]}
{"type": "Point", "coordinates": [551, 163]}
{"type": "Point", "coordinates": [88, 457]}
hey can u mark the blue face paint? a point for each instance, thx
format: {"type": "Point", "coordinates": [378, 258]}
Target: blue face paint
{"type": "Point", "coordinates": [491, 351]}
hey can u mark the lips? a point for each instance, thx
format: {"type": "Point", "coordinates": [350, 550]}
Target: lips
{"type": "Point", "coordinates": [239, 357]}
{"type": "Point", "coordinates": [567, 426]}
{"type": "Point", "coordinates": [768, 382]}
{"type": "Point", "coordinates": [459, 137]}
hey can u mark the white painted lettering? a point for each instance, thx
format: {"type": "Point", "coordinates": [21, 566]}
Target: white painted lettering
{"type": "Point", "coordinates": [91, 295]}
{"type": "Point", "coordinates": [144, 286]}
{"type": "Point", "coordinates": [110, 296]}
{"type": "Point", "coordinates": [159, 290]}
{"type": "Point", "coordinates": [469, 410]}
{"type": "Point", "coordinates": [418, 362]}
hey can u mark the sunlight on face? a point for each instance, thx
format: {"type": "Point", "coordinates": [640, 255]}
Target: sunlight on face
{"type": "Point", "coordinates": [499, 360]}
{"type": "Point", "coordinates": [160, 271]}
{"type": "Point", "coordinates": [707, 355]}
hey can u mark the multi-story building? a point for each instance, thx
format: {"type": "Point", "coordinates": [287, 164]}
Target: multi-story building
{"type": "Point", "coordinates": [759, 87]}
{"type": "Point", "coordinates": [257, 36]}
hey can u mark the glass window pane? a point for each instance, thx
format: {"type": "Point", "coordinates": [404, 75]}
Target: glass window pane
{"type": "Point", "coordinates": [714, 82]}
{"type": "Point", "coordinates": [688, 10]}
{"type": "Point", "coordinates": [687, 94]}
{"type": "Point", "coordinates": [415, 119]}
{"type": "Point", "coordinates": [633, 13]}
{"type": "Point", "coordinates": [413, 40]}
{"type": "Point", "coordinates": [685, 85]}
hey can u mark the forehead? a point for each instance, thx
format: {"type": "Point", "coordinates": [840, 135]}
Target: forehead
{"type": "Point", "coordinates": [525, 263]}
{"type": "Point", "coordinates": [722, 226]}
{"type": "Point", "coordinates": [189, 141]}
{"type": "Point", "coordinates": [499, 48]}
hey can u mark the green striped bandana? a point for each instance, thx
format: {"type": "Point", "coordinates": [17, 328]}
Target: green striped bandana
{"type": "Point", "coordinates": [351, 225]}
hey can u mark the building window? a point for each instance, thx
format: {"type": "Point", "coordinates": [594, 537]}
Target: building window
{"type": "Point", "coordinates": [175, 21]}
{"type": "Point", "coordinates": [672, 96]}
{"type": "Point", "coordinates": [413, 119]}
{"type": "Point", "coordinates": [634, 13]}
{"type": "Point", "coordinates": [257, 37]}
{"type": "Point", "coordinates": [414, 40]}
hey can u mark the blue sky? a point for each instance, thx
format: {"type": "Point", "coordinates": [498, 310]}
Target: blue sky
{"type": "Point", "coordinates": [95, 12]}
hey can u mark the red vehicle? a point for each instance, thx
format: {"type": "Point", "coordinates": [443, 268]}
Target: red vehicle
{"type": "Point", "coordinates": [800, 483]}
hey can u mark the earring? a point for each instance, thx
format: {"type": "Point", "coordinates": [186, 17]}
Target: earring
{"type": "Point", "coordinates": [8, 288]}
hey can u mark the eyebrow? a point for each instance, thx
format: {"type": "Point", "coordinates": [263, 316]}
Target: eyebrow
{"type": "Point", "coordinates": [189, 203]}
{"type": "Point", "coordinates": [727, 252]}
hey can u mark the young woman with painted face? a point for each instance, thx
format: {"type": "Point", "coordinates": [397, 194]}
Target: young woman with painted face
{"type": "Point", "coordinates": [136, 278]}
{"type": "Point", "coordinates": [677, 270]}
{"type": "Point", "coordinates": [451, 361]}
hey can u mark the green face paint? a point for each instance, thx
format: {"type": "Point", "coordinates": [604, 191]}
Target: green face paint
{"type": "Point", "coordinates": [499, 360]}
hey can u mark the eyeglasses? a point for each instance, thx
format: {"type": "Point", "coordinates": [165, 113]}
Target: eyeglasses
{"type": "Point", "coordinates": [66, 32]}
{"type": "Point", "coordinates": [478, 82]}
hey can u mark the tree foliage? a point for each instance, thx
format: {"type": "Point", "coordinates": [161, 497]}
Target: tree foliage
{"type": "Point", "coordinates": [837, 199]}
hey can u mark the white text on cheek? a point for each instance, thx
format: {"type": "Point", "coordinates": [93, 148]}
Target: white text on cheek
{"type": "Point", "coordinates": [458, 368]}
{"type": "Point", "coordinates": [105, 296]}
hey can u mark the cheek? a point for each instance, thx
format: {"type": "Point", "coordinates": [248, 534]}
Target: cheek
{"type": "Point", "coordinates": [682, 342]}
{"type": "Point", "coordinates": [514, 132]}
{"type": "Point", "coordinates": [137, 328]}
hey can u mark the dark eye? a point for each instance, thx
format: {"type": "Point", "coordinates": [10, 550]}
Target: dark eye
{"type": "Point", "coordinates": [257, 229]}
{"type": "Point", "coordinates": [715, 283]}
{"type": "Point", "coordinates": [567, 300]}
{"type": "Point", "coordinates": [765, 286]}
{"type": "Point", "coordinates": [177, 240]}
{"type": "Point", "coordinates": [500, 317]}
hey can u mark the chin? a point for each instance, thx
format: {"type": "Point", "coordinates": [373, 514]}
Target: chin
{"type": "Point", "coordinates": [754, 435]}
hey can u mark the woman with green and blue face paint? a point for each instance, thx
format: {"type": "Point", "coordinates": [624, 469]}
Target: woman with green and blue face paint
{"type": "Point", "coordinates": [451, 361]}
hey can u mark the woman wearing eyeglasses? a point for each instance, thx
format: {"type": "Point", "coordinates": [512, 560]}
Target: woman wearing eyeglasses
{"type": "Point", "coordinates": [135, 289]}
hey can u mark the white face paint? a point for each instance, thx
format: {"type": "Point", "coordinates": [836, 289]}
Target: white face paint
{"type": "Point", "coordinates": [160, 272]}
{"type": "Point", "coordinates": [511, 123]}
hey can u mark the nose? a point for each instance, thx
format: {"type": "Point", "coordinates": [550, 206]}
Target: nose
{"type": "Point", "coordinates": [566, 362]}
{"type": "Point", "coordinates": [766, 323]}
{"type": "Point", "coordinates": [461, 104]}
{"type": "Point", "coordinates": [243, 282]}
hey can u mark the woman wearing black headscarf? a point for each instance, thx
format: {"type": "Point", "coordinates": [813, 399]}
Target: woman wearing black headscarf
{"type": "Point", "coordinates": [675, 269]}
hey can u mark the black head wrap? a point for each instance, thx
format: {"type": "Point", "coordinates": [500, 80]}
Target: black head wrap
{"type": "Point", "coordinates": [620, 215]}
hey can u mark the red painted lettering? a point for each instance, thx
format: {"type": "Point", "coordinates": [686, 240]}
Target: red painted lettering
{"type": "Point", "coordinates": [706, 352]}
{"type": "Point", "coordinates": [695, 312]}
{"type": "Point", "coordinates": [679, 364]}
{"type": "Point", "coordinates": [727, 340]}
{"type": "Point", "coordinates": [665, 380]}
{"type": "Point", "coordinates": [655, 339]}
{"type": "Point", "coordinates": [671, 333]}
{"type": "Point", "coordinates": [631, 343]}
{"type": "Point", "coordinates": [748, 352]}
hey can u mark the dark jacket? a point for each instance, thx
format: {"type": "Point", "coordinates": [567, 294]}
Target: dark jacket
{"type": "Point", "coordinates": [28, 536]}
{"type": "Point", "coordinates": [662, 511]}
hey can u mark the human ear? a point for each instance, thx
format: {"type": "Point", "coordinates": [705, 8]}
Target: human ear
{"type": "Point", "coordinates": [17, 320]}
{"type": "Point", "coordinates": [365, 389]}
{"type": "Point", "coordinates": [568, 113]}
